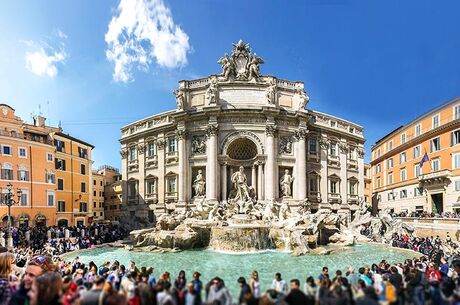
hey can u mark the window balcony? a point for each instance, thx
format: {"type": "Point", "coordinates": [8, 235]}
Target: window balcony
{"type": "Point", "coordinates": [151, 162]}
{"type": "Point", "coordinates": [172, 156]}
{"type": "Point", "coordinates": [334, 197]}
{"type": "Point", "coordinates": [313, 156]}
{"type": "Point", "coordinates": [314, 196]}
{"type": "Point", "coordinates": [134, 199]}
{"type": "Point", "coordinates": [352, 198]}
{"type": "Point", "coordinates": [333, 161]}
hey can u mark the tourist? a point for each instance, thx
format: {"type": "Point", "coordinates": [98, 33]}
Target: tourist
{"type": "Point", "coordinates": [190, 297]}
{"type": "Point", "coordinates": [324, 274]}
{"type": "Point", "coordinates": [279, 284]}
{"type": "Point", "coordinates": [180, 285]}
{"type": "Point", "coordinates": [363, 275]}
{"type": "Point", "coordinates": [218, 292]}
{"type": "Point", "coordinates": [254, 284]}
{"type": "Point", "coordinates": [33, 269]}
{"type": "Point", "coordinates": [6, 267]}
{"type": "Point", "coordinates": [46, 289]}
{"type": "Point", "coordinates": [244, 289]}
{"type": "Point", "coordinates": [164, 296]}
{"type": "Point", "coordinates": [94, 296]}
{"type": "Point", "coordinates": [369, 297]}
{"type": "Point", "coordinates": [310, 289]}
{"type": "Point", "coordinates": [296, 296]}
{"type": "Point", "coordinates": [197, 285]}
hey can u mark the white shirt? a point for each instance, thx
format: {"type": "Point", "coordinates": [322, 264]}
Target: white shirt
{"type": "Point", "coordinates": [280, 286]}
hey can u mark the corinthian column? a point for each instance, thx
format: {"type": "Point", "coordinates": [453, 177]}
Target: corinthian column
{"type": "Point", "coordinates": [270, 184]}
{"type": "Point", "coordinates": [211, 162]}
{"type": "Point", "coordinates": [260, 194]}
{"type": "Point", "coordinates": [182, 148]}
{"type": "Point", "coordinates": [300, 174]}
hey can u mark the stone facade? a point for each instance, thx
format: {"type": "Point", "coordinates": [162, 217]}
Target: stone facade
{"type": "Point", "coordinates": [240, 118]}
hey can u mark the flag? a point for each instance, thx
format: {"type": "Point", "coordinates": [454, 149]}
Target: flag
{"type": "Point", "coordinates": [424, 159]}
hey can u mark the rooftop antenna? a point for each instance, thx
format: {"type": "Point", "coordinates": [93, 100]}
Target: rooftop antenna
{"type": "Point", "coordinates": [39, 109]}
{"type": "Point", "coordinates": [48, 112]}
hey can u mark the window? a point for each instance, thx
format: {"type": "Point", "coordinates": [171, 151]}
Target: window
{"type": "Point", "coordinates": [61, 206]}
{"type": "Point", "coordinates": [151, 187]}
{"type": "Point", "coordinates": [403, 194]}
{"type": "Point", "coordinates": [94, 182]}
{"type": "Point", "coordinates": [94, 205]}
{"type": "Point", "coordinates": [50, 196]}
{"type": "Point", "coordinates": [83, 187]}
{"type": "Point", "coordinates": [435, 165]}
{"type": "Point", "coordinates": [83, 207]}
{"type": "Point", "coordinates": [417, 150]}
{"type": "Point", "coordinates": [94, 193]}
{"type": "Point", "coordinates": [7, 172]}
{"type": "Point", "coordinates": [418, 130]}
{"type": "Point", "coordinates": [418, 191]}
{"type": "Point", "coordinates": [333, 123]}
{"type": "Point", "coordinates": [60, 184]}
{"type": "Point", "coordinates": [24, 199]}
{"type": "Point", "coordinates": [83, 169]}
{"type": "Point", "coordinates": [333, 186]}
{"type": "Point", "coordinates": [417, 170]}
{"type": "Point", "coordinates": [457, 185]}
{"type": "Point", "coordinates": [132, 188]}
{"type": "Point", "coordinates": [390, 178]}
{"type": "Point", "coordinates": [333, 148]}
{"type": "Point", "coordinates": [378, 168]}
{"type": "Point", "coordinates": [313, 184]}
{"type": "Point", "coordinates": [456, 160]}
{"type": "Point", "coordinates": [455, 137]}
{"type": "Point", "coordinates": [378, 153]}
{"type": "Point", "coordinates": [403, 138]}
{"type": "Point", "coordinates": [352, 130]}
{"type": "Point", "coordinates": [22, 152]}
{"type": "Point", "coordinates": [390, 145]}
{"type": "Point", "coordinates": [59, 145]}
{"type": "Point", "coordinates": [391, 196]}
{"type": "Point", "coordinates": [353, 187]}
{"type": "Point", "coordinates": [23, 173]}
{"type": "Point", "coordinates": [132, 153]}
{"type": "Point", "coordinates": [6, 150]}
{"type": "Point", "coordinates": [352, 153]}
{"type": "Point", "coordinates": [403, 174]}
{"type": "Point", "coordinates": [60, 164]}
{"type": "Point", "coordinates": [435, 144]}
{"type": "Point", "coordinates": [312, 146]}
{"type": "Point", "coordinates": [50, 177]}
{"type": "Point", "coordinates": [49, 157]}
{"type": "Point", "coordinates": [456, 112]}
{"type": "Point", "coordinates": [435, 121]}
{"type": "Point", "coordinates": [82, 152]}
{"type": "Point", "coordinates": [151, 150]}
{"type": "Point", "coordinates": [390, 163]}
{"type": "Point", "coordinates": [171, 184]}
{"type": "Point", "coordinates": [171, 145]}
{"type": "Point", "coordinates": [378, 181]}
{"type": "Point", "coordinates": [402, 158]}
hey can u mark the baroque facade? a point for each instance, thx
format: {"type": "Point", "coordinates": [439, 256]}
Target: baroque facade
{"type": "Point", "coordinates": [240, 135]}
{"type": "Point", "coordinates": [401, 182]}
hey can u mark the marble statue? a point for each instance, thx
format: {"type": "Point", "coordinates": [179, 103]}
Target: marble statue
{"type": "Point", "coordinates": [242, 194]}
{"type": "Point", "coordinates": [180, 98]}
{"type": "Point", "coordinates": [199, 184]}
{"type": "Point", "coordinates": [211, 93]}
{"type": "Point", "coordinates": [284, 211]}
{"type": "Point", "coordinates": [253, 67]}
{"type": "Point", "coordinates": [285, 183]}
{"type": "Point", "coordinates": [286, 145]}
{"type": "Point", "coordinates": [228, 68]}
{"type": "Point", "coordinates": [198, 146]}
{"type": "Point", "coordinates": [270, 94]}
{"type": "Point", "coordinates": [302, 99]}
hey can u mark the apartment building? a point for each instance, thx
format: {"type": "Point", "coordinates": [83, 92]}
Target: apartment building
{"type": "Point", "coordinates": [401, 182]}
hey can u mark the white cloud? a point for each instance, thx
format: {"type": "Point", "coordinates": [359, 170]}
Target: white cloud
{"type": "Point", "coordinates": [43, 61]}
{"type": "Point", "coordinates": [142, 32]}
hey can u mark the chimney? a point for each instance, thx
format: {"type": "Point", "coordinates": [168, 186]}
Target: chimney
{"type": "Point", "coordinates": [40, 121]}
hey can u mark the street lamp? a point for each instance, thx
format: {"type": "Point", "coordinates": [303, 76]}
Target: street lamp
{"type": "Point", "coordinates": [9, 201]}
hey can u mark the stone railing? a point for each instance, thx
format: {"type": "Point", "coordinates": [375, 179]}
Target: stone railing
{"type": "Point", "coordinates": [202, 82]}
{"type": "Point", "coordinates": [436, 175]}
{"type": "Point", "coordinates": [285, 84]}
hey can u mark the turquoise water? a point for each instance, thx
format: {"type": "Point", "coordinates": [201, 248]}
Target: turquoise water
{"type": "Point", "coordinates": [231, 266]}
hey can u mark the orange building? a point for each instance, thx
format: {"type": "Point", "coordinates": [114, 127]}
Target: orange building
{"type": "Point", "coordinates": [74, 180]}
{"type": "Point", "coordinates": [401, 182]}
{"type": "Point", "coordinates": [27, 162]}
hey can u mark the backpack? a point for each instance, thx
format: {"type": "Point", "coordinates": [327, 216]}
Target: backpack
{"type": "Point", "coordinates": [390, 293]}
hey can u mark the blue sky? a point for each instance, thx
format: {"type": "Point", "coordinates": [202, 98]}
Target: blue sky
{"type": "Point", "coordinates": [377, 63]}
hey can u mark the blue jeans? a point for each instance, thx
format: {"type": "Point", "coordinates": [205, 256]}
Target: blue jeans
{"type": "Point", "coordinates": [419, 296]}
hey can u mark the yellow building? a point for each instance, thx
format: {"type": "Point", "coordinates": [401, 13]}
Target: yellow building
{"type": "Point", "coordinates": [401, 182]}
{"type": "Point", "coordinates": [113, 198]}
{"type": "Point", "coordinates": [27, 163]}
{"type": "Point", "coordinates": [74, 180]}
{"type": "Point", "coordinates": [98, 196]}
{"type": "Point", "coordinates": [103, 192]}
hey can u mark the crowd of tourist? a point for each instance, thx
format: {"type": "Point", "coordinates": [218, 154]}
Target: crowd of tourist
{"type": "Point", "coordinates": [36, 275]}
{"type": "Point", "coordinates": [425, 214]}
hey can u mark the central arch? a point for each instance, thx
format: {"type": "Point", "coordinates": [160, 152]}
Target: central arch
{"type": "Point", "coordinates": [242, 149]}
{"type": "Point", "coordinates": [251, 139]}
